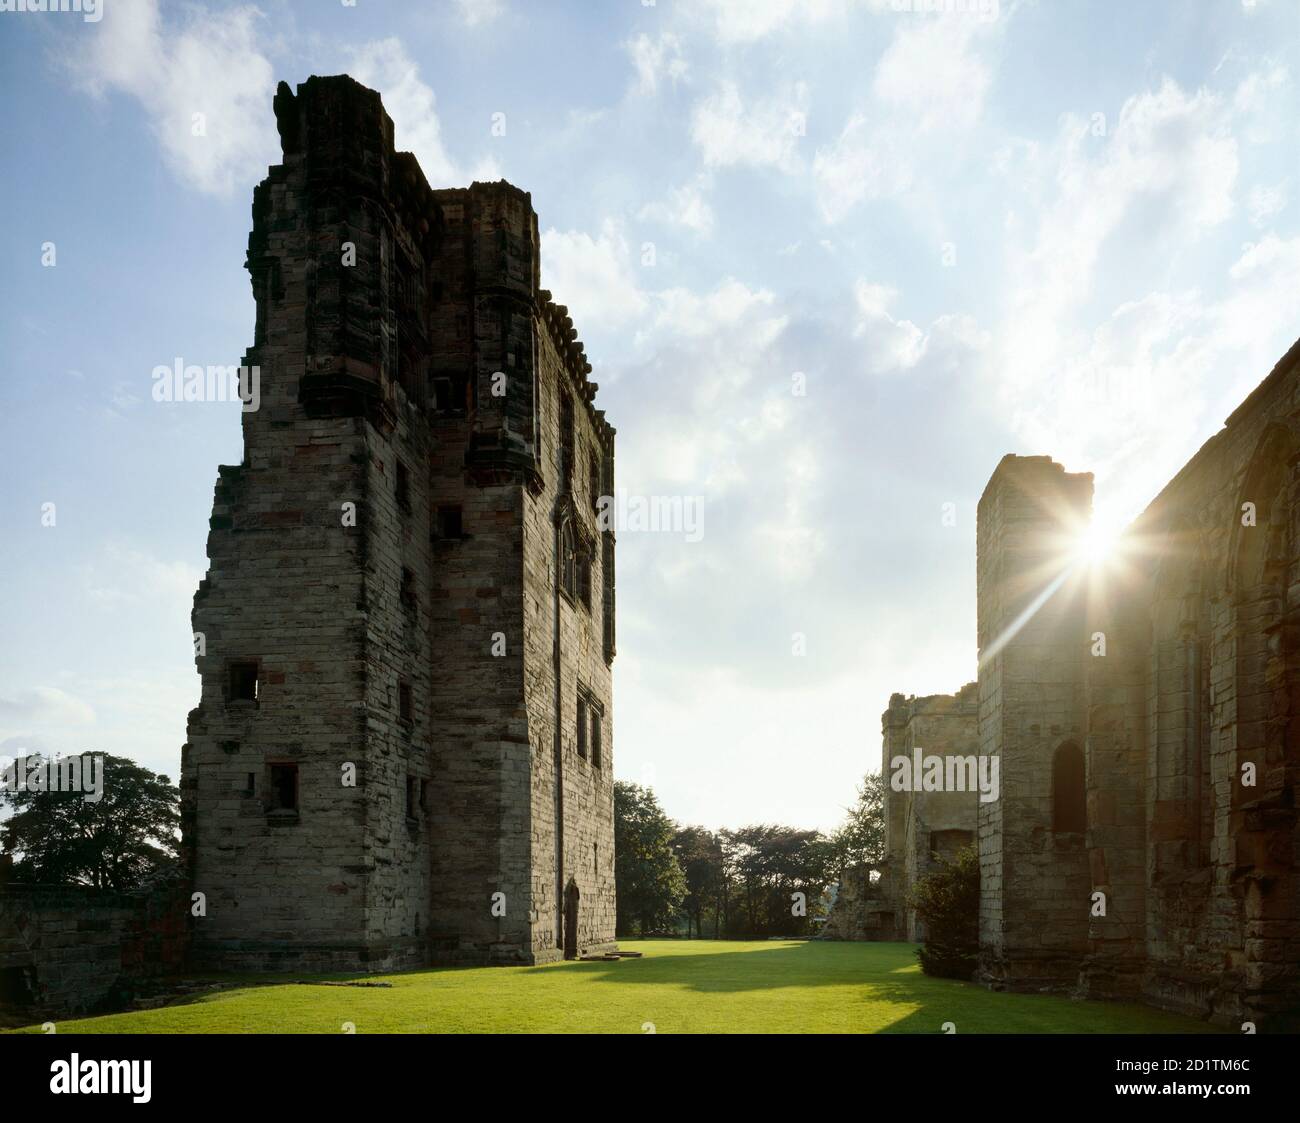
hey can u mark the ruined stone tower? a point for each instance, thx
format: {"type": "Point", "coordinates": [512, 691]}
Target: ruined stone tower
{"type": "Point", "coordinates": [1033, 861]}
{"type": "Point", "coordinates": [403, 749]}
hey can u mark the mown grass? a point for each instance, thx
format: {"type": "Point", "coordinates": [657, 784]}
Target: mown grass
{"type": "Point", "coordinates": [697, 986]}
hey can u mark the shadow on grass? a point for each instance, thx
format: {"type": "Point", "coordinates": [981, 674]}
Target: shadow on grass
{"type": "Point", "coordinates": [890, 976]}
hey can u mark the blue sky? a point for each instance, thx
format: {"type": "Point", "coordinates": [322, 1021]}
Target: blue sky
{"type": "Point", "coordinates": [1058, 228]}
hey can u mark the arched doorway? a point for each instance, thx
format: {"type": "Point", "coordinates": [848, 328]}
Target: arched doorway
{"type": "Point", "coordinates": [571, 896]}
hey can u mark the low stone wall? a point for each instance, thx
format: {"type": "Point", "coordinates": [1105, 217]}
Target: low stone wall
{"type": "Point", "coordinates": [863, 909]}
{"type": "Point", "coordinates": [72, 950]}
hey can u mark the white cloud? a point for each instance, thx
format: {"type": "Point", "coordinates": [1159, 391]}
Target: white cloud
{"type": "Point", "coordinates": [384, 65]}
{"type": "Point", "coordinates": [474, 12]}
{"type": "Point", "coordinates": [686, 206]}
{"type": "Point", "coordinates": [1258, 90]}
{"type": "Point", "coordinates": [763, 133]}
{"type": "Point", "coordinates": [860, 165]}
{"type": "Point", "coordinates": [592, 276]}
{"type": "Point", "coordinates": [889, 344]}
{"type": "Point", "coordinates": [686, 313]}
{"type": "Point", "coordinates": [205, 86]}
{"type": "Point", "coordinates": [1171, 153]}
{"type": "Point", "coordinates": [791, 537]}
{"type": "Point", "coordinates": [928, 94]}
{"type": "Point", "coordinates": [1264, 204]}
{"type": "Point", "coordinates": [656, 59]}
{"type": "Point", "coordinates": [124, 574]}
{"type": "Point", "coordinates": [42, 706]}
{"type": "Point", "coordinates": [747, 21]}
{"type": "Point", "coordinates": [930, 72]}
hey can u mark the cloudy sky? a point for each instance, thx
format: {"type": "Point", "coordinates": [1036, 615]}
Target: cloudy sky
{"type": "Point", "coordinates": [1038, 227]}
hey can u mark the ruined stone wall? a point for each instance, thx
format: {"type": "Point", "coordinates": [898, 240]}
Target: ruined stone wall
{"type": "Point", "coordinates": [1177, 668]}
{"type": "Point", "coordinates": [286, 588]}
{"type": "Point", "coordinates": [572, 837]}
{"type": "Point", "coordinates": [1221, 588]}
{"type": "Point", "coordinates": [72, 950]}
{"type": "Point", "coordinates": [482, 324]}
{"type": "Point", "coordinates": [380, 557]}
{"type": "Point", "coordinates": [1031, 614]}
{"type": "Point", "coordinates": [925, 826]}
{"type": "Point", "coordinates": [864, 908]}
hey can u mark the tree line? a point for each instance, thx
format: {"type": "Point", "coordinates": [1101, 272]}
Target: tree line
{"type": "Point", "coordinates": [765, 879]}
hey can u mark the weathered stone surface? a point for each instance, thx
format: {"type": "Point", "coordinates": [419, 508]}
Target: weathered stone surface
{"type": "Point", "coordinates": [387, 556]}
{"type": "Point", "coordinates": [73, 949]}
{"type": "Point", "coordinates": [1200, 677]}
{"type": "Point", "coordinates": [921, 827]}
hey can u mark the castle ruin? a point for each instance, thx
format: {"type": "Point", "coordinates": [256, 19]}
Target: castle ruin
{"type": "Point", "coordinates": [1146, 717]}
{"type": "Point", "coordinates": [403, 749]}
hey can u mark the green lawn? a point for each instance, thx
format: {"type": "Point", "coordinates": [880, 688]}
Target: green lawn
{"type": "Point", "coordinates": [699, 986]}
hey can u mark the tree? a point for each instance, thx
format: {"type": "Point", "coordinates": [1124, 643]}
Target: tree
{"type": "Point", "coordinates": [700, 853]}
{"type": "Point", "coordinates": [860, 839]}
{"type": "Point", "coordinates": [947, 900]}
{"type": "Point", "coordinates": [769, 864]}
{"type": "Point", "coordinates": [123, 840]}
{"type": "Point", "coordinates": [651, 884]}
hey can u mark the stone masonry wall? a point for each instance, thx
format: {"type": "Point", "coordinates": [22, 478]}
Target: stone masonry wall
{"type": "Point", "coordinates": [72, 950]}
{"type": "Point", "coordinates": [385, 558]}
{"type": "Point", "coordinates": [1034, 877]}
{"type": "Point", "coordinates": [1220, 586]}
{"type": "Point", "coordinates": [1177, 668]}
{"type": "Point", "coordinates": [573, 839]}
{"type": "Point", "coordinates": [922, 827]}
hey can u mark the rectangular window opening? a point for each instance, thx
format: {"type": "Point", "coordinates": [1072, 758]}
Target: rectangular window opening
{"type": "Point", "coordinates": [450, 523]}
{"type": "Point", "coordinates": [284, 787]}
{"type": "Point", "coordinates": [243, 681]}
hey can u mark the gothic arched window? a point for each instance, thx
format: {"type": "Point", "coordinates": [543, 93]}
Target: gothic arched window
{"type": "Point", "coordinates": [1069, 810]}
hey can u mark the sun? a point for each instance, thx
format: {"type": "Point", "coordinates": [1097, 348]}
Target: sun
{"type": "Point", "coordinates": [1095, 544]}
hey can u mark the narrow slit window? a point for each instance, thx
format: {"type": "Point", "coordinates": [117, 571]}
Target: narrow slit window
{"type": "Point", "coordinates": [403, 487]}
{"type": "Point", "coordinates": [404, 704]}
{"type": "Point", "coordinates": [584, 576]}
{"type": "Point", "coordinates": [568, 561]}
{"type": "Point", "coordinates": [566, 442]}
{"type": "Point", "coordinates": [582, 727]}
{"type": "Point", "coordinates": [412, 797]}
